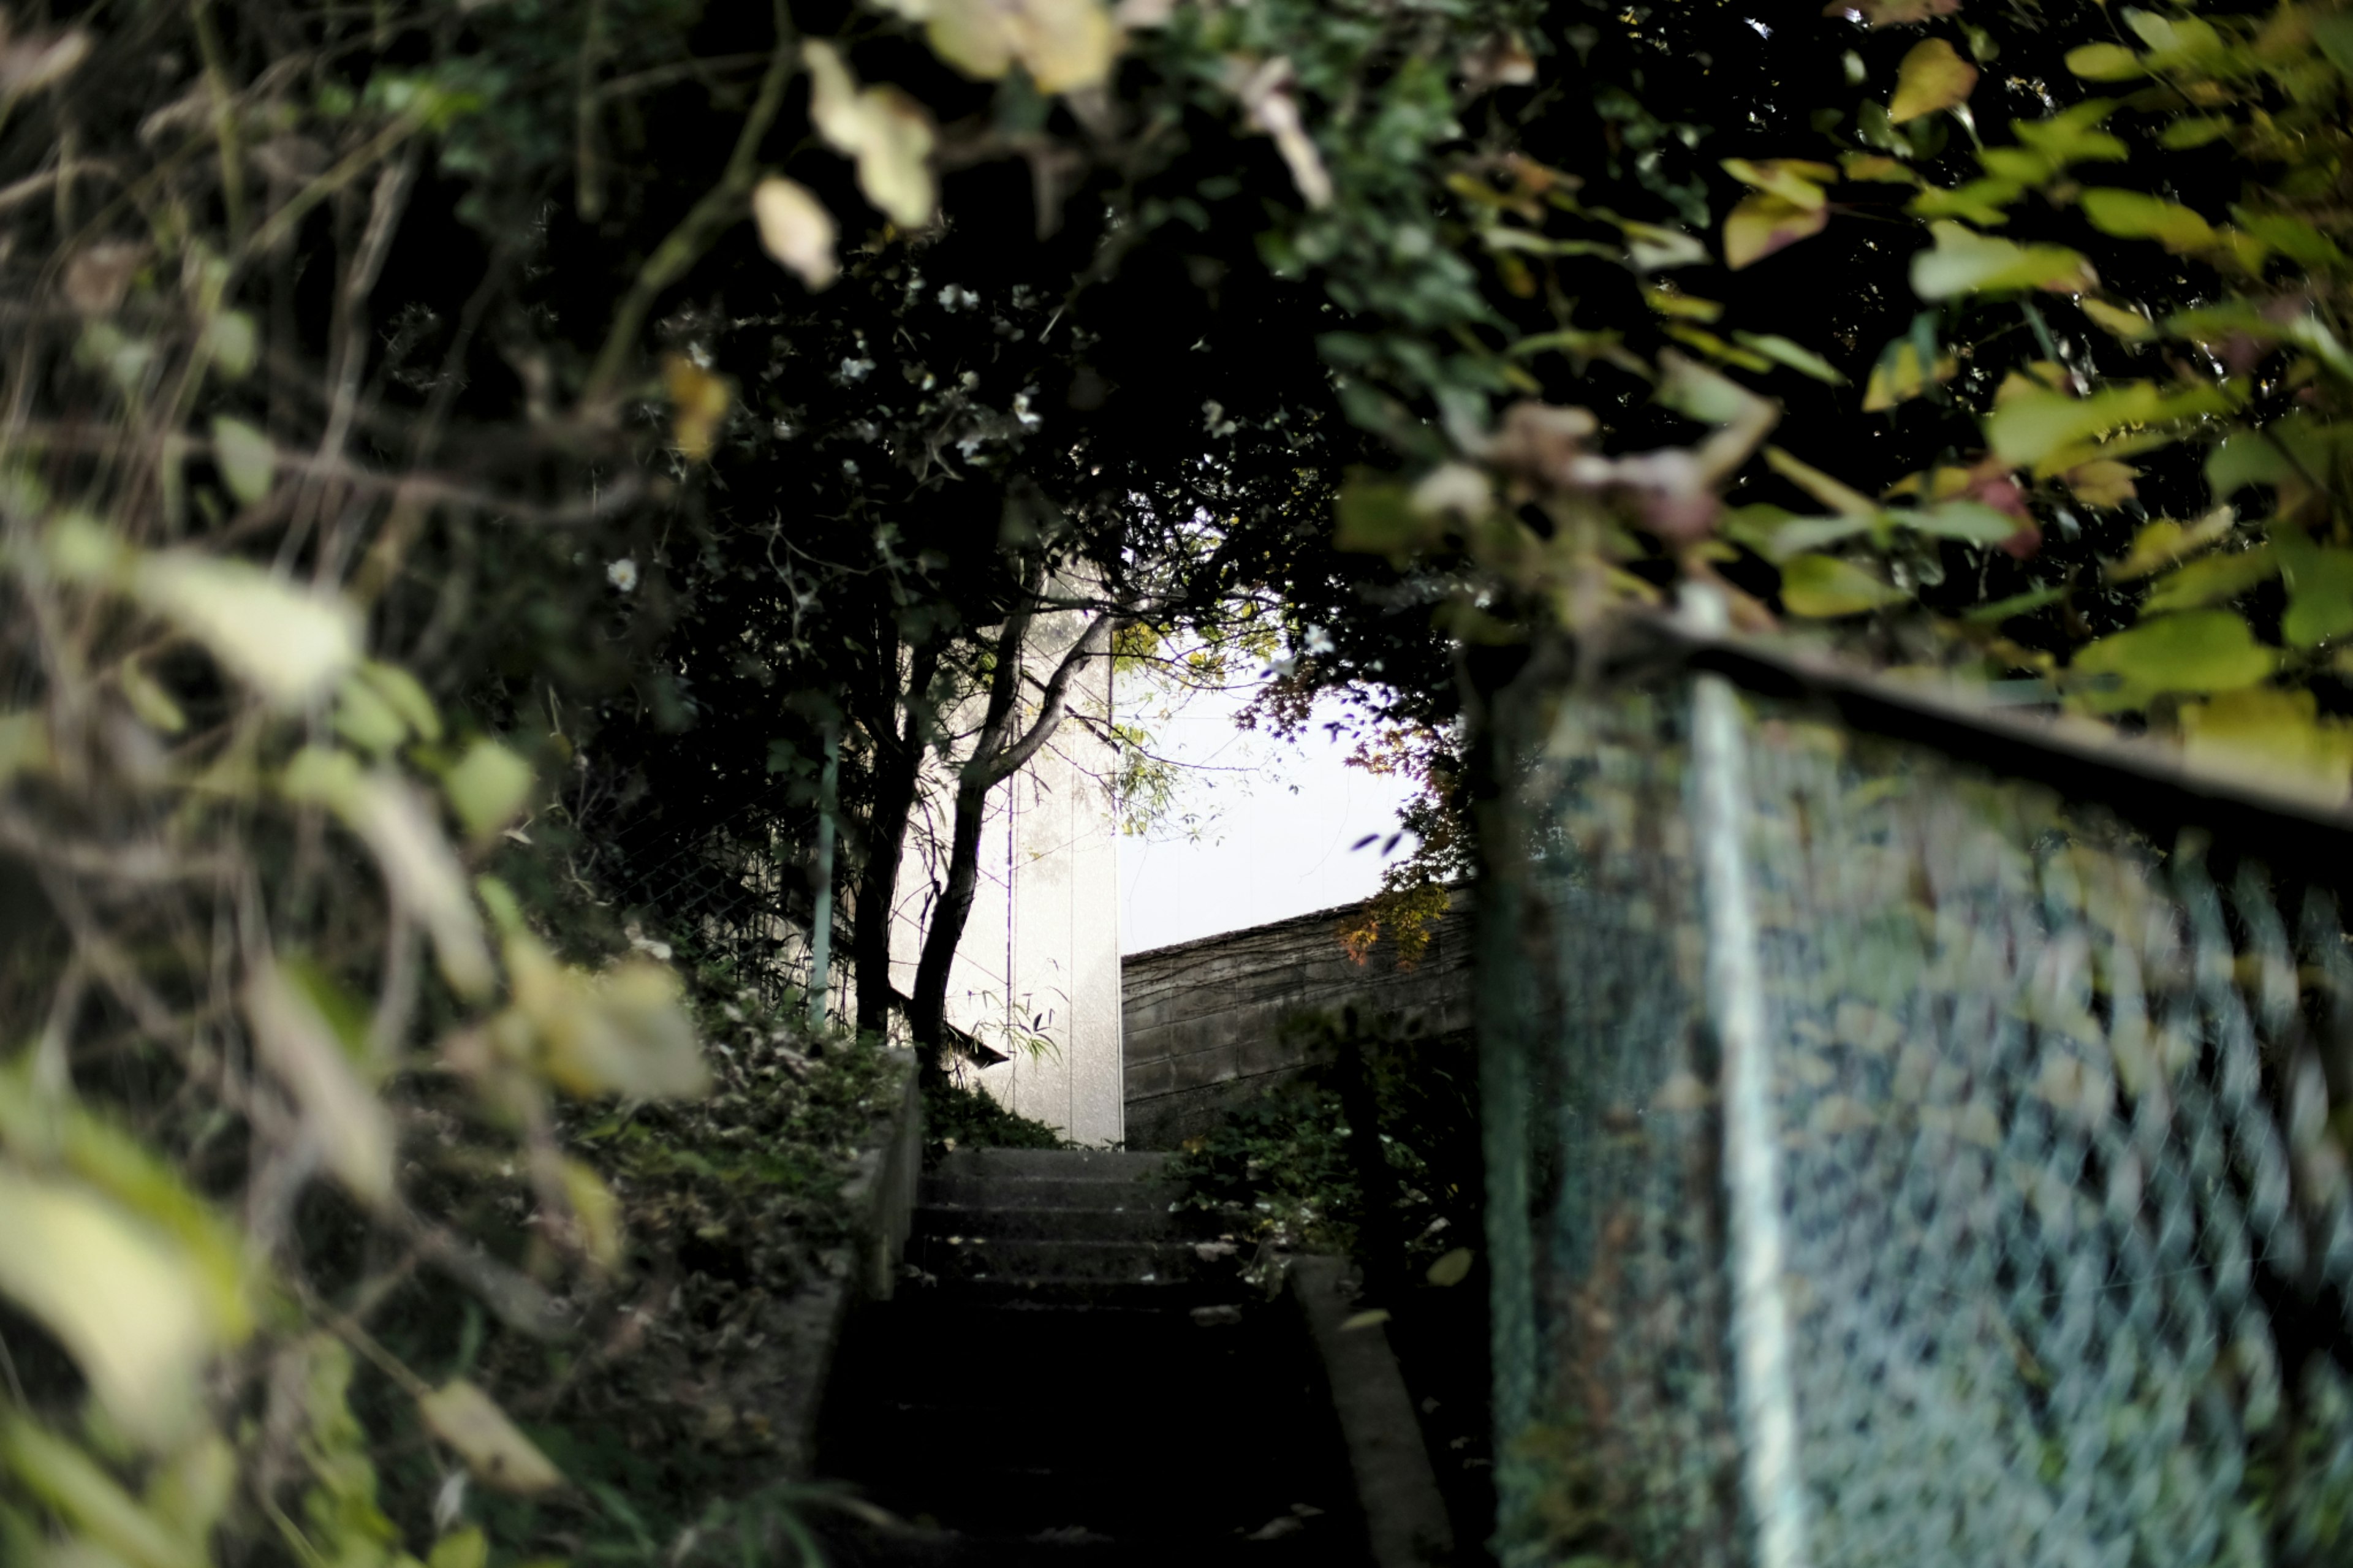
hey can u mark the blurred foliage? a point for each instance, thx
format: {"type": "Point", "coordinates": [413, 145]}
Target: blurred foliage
{"type": "Point", "coordinates": [459, 462]}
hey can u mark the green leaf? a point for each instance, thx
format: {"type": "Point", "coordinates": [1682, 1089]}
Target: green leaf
{"type": "Point", "coordinates": [230, 341]}
{"type": "Point", "coordinates": [1823, 587]}
{"type": "Point", "coordinates": [1375, 518]}
{"type": "Point", "coordinates": [2290, 451]}
{"type": "Point", "coordinates": [2131, 215]}
{"type": "Point", "coordinates": [2184, 134]}
{"type": "Point", "coordinates": [1971, 522]}
{"type": "Point", "coordinates": [1795, 180]}
{"type": "Point", "coordinates": [2105, 62]}
{"type": "Point", "coordinates": [2197, 651]}
{"type": "Point", "coordinates": [493, 1447]}
{"type": "Point", "coordinates": [2073, 135]}
{"type": "Point", "coordinates": [1932, 76]}
{"type": "Point", "coordinates": [487, 787]}
{"type": "Point", "coordinates": [2034, 425]}
{"type": "Point", "coordinates": [1452, 1269]}
{"type": "Point", "coordinates": [1980, 202]}
{"type": "Point", "coordinates": [2216, 580]}
{"type": "Point", "coordinates": [246, 459]}
{"type": "Point", "coordinates": [2319, 588]}
{"type": "Point", "coordinates": [1964, 262]}
{"type": "Point", "coordinates": [2334, 34]}
{"type": "Point", "coordinates": [2024, 603]}
{"type": "Point", "coordinates": [2291, 236]}
{"type": "Point", "coordinates": [1798, 357]}
{"type": "Point", "coordinates": [71, 1483]}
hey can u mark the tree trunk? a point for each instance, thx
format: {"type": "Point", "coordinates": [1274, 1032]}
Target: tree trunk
{"type": "Point", "coordinates": [898, 764]}
{"type": "Point", "coordinates": [996, 756]}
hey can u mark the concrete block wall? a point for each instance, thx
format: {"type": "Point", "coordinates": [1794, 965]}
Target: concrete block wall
{"type": "Point", "coordinates": [1201, 1021]}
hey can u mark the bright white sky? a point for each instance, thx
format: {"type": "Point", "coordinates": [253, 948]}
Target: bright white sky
{"type": "Point", "coordinates": [1277, 822]}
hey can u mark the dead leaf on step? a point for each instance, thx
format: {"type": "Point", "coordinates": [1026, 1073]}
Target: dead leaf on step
{"type": "Point", "coordinates": [1276, 1528]}
{"type": "Point", "coordinates": [1210, 1251]}
{"type": "Point", "coordinates": [1216, 1317]}
{"type": "Point", "coordinates": [1371, 1319]}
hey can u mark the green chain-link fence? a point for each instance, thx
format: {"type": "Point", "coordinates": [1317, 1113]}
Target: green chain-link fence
{"type": "Point", "coordinates": [1893, 1160]}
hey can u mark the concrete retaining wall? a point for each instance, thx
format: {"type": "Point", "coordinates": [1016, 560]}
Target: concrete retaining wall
{"type": "Point", "coordinates": [1201, 1020]}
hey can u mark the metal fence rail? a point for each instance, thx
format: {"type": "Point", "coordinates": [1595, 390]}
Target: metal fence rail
{"type": "Point", "coordinates": [1894, 1162]}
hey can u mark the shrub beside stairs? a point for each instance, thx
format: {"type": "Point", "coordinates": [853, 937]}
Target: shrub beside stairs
{"type": "Point", "coordinates": [1071, 1372]}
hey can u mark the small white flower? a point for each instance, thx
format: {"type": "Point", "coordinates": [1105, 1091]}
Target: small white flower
{"type": "Point", "coordinates": [622, 573]}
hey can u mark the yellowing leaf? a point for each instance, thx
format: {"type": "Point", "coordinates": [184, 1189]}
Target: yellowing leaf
{"type": "Point", "coordinates": [884, 129]}
{"type": "Point", "coordinates": [1933, 76]}
{"type": "Point", "coordinates": [2129, 214]}
{"type": "Point", "coordinates": [2161, 543]}
{"type": "Point", "coordinates": [2216, 580]}
{"type": "Point", "coordinates": [598, 1212]}
{"type": "Point", "coordinates": [1897, 377]}
{"type": "Point", "coordinates": [126, 1303]}
{"type": "Point", "coordinates": [1763, 224]}
{"type": "Point", "coordinates": [2197, 651]}
{"type": "Point", "coordinates": [493, 1447]}
{"type": "Point", "coordinates": [290, 644]}
{"type": "Point", "coordinates": [1063, 44]}
{"type": "Point", "coordinates": [1451, 1269]}
{"type": "Point", "coordinates": [1371, 1319]}
{"type": "Point", "coordinates": [350, 1125]}
{"type": "Point", "coordinates": [2129, 325]}
{"type": "Point", "coordinates": [796, 230]}
{"type": "Point", "coordinates": [2275, 740]}
{"type": "Point", "coordinates": [699, 403]}
{"type": "Point", "coordinates": [1822, 587]}
{"type": "Point", "coordinates": [1964, 262]}
{"type": "Point", "coordinates": [246, 459]}
{"type": "Point", "coordinates": [619, 1033]}
{"type": "Point", "coordinates": [1796, 181]}
{"type": "Point", "coordinates": [466, 1548]}
{"type": "Point", "coordinates": [2036, 424]}
{"type": "Point", "coordinates": [2102, 482]}
{"type": "Point", "coordinates": [488, 786]}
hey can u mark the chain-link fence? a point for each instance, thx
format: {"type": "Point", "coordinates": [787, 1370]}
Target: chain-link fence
{"type": "Point", "coordinates": [1896, 1163]}
{"type": "Point", "coordinates": [738, 903]}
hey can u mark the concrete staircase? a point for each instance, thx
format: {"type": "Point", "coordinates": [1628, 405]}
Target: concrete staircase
{"type": "Point", "coordinates": [1071, 1374]}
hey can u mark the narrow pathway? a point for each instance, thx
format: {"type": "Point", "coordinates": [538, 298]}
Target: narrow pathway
{"type": "Point", "coordinates": [1077, 1374]}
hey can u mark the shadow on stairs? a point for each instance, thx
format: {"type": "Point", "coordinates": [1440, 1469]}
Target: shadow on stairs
{"type": "Point", "coordinates": [1073, 1374]}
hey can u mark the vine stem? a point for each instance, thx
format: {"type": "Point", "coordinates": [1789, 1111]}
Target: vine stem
{"type": "Point", "coordinates": [686, 244]}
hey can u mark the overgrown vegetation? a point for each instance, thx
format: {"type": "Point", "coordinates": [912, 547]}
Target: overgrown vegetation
{"type": "Point", "coordinates": [461, 463]}
{"type": "Point", "coordinates": [1373, 1153]}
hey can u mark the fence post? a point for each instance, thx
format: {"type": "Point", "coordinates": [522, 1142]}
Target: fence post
{"type": "Point", "coordinates": [1752, 1164]}
{"type": "Point", "coordinates": [821, 922]}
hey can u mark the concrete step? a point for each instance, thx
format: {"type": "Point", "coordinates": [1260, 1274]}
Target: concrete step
{"type": "Point", "coordinates": [1126, 1222]}
{"type": "Point", "coordinates": [1000, 1258]}
{"type": "Point", "coordinates": [1054, 1165]}
{"type": "Point", "coordinates": [966, 1190]}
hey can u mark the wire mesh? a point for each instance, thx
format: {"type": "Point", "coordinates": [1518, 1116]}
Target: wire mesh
{"type": "Point", "coordinates": [2066, 1250]}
